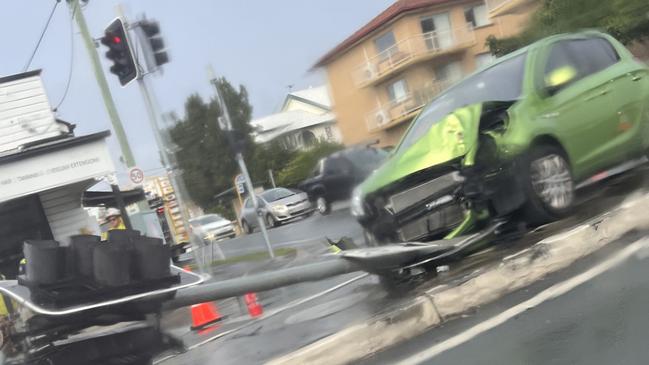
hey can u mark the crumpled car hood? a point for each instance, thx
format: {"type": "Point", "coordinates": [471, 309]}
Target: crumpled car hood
{"type": "Point", "coordinates": [454, 136]}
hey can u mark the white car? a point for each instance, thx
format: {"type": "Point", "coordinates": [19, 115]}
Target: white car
{"type": "Point", "coordinates": [212, 227]}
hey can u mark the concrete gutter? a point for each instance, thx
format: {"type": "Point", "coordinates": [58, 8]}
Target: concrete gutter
{"type": "Point", "coordinates": [447, 302]}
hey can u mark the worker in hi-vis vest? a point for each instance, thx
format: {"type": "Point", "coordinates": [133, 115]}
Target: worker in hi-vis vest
{"type": "Point", "coordinates": [115, 221]}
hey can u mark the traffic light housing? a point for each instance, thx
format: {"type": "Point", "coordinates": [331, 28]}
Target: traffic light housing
{"type": "Point", "coordinates": [120, 52]}
{"type": "Point", "coordinates": [151, 30]}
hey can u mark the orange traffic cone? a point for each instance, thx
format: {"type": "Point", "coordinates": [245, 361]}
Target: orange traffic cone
{"type": "Point", "coordinates": [204, 314]}
{"type": "Point", "coordinates": [254, 308]}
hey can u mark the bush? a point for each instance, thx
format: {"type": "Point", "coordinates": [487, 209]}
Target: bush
{"type": "Point", "coordinates": [300, 166]}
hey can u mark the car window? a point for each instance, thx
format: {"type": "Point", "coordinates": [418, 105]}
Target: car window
{"type": "Point", "coordinates": [501, 82]}
{"type": "Point", "coordinates": [586, 56]}
{"type": "Point", "coordinates": [201, 221]}
{"type": "Point", "coordinates": [248, 203]}
{"type": "Point", "coordinates": [366, 159]}
{"type": "Point", "coordinates": [337, 165]}
{"type": "Point", "coordinates": [317, 170]}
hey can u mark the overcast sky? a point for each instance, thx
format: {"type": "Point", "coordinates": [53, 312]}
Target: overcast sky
{"type": "Point", "coordinates": [265, 45]}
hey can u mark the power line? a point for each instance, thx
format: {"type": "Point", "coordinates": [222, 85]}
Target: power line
{"type": "Point", "coordinates": [71, 63]}
{"type": "Point", "coordinates": [47, 24]}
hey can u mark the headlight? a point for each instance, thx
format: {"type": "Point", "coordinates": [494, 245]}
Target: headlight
{"type": "Point", "coordinates": [357, 203]}
{"type": "Point", "coordinates": [280, 209]}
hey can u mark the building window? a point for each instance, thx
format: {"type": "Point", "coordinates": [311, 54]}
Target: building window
{"type": "Point", "coordinates": [483, 59]}
{"type": "Point", "coordinates": [385, 45]}
{"type": "Point", "coordinates": [308, 139]}
{"type": "Point", "coordinates": [398, 91]}
{"type": "Point", "coordinates": [328, 133]}
{"type": "Point", "coordinates": [477, 15]}
{"type": "Point", "coordinates": [437, 31]}
{"type": "Point", "coordinates": [450, 72]}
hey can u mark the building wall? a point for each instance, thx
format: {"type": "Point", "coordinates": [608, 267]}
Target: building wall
{"type": "Point", "coordinates": [356, 106]}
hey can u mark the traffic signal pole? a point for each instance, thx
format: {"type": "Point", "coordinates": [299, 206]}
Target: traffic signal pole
{"type": "Point", "coordinates": [89, 42]}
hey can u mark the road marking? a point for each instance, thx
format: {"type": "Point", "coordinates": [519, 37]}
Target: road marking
{"type": "Point", "coordinates": [548, 294]}
{"type": "Point", "coordinates": [269, 314]}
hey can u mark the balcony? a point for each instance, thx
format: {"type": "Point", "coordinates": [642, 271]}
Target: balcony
{"type": "Point", "coordinates": [414, 49]}
{"type": "Point", "coordinates": [503, 7]}
{"type": "Point", "coordinates": [399, 111]}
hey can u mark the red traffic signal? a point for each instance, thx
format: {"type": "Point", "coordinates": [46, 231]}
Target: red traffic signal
{"type": "Point", "coordinates": [119, 51]}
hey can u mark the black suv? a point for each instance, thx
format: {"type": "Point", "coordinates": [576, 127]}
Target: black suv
{"type": "Point", "coordinates": [335, 176]}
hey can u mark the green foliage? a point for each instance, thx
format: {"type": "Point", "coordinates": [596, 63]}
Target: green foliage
{"type": "Point", "coordinates": [203, 154]}
{"type": "Point", "coordinates": [626, 20]}
{"type": "Point", "coordinates": [269, 156]}
{"type": "Point", "coordinates": [298, 168]}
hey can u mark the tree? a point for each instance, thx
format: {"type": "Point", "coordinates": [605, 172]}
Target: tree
{"type": "Point", "coordinates": [203, 155]}
{"type": "Point", "coordinates": [626, 20]}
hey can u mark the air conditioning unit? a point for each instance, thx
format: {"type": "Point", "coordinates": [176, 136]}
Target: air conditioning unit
{"type": "Point", "coordinates": [381, 118]}
{"type": "Point", "coordinates": [369, 71]}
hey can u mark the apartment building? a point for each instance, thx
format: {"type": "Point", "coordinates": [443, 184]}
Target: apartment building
{"type": "Point", "coordinates": [383, 74]}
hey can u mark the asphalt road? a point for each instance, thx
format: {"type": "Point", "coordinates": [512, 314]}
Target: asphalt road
{"type": "Point", "coordinates": [303, 233]}
{"type": "Point", "coordinates": [601, 321]}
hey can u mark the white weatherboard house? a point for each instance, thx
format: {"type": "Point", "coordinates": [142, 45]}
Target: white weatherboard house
{"type": "Point", "coordinates": [305, 118]}
{"type": "Point", "coordinates": [44, 170]}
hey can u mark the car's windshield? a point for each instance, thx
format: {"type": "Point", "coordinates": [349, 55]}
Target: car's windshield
{"type": "Point", "coordinates": [276, 194]}
{"type": "Point", "coordinates": [501, 82]}
{"type": "Point", "coordinates": [201, 221]}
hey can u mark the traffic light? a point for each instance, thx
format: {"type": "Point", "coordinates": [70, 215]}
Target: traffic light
{"type": "Point", "coordinates": [120, 52]}
{"type": "Point", "coordinates": [151, 29]}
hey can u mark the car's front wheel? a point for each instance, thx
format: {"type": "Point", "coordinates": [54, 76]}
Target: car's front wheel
{"type": "Point", "coordinates": [246, 227]}
{"type": "Point", "coordinates": [549, 185]}
{"type": "Point", "coordinates": [322, 205]}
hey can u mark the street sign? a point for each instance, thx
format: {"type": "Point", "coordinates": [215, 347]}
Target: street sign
{"type": "Point", "coordinates": [240, 183]}
{"type": "Point", "coordinates": [136, 175]}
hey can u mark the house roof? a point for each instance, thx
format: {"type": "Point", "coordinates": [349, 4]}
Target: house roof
{"type": "Point", "coordinates": [393, 11]}
{"type": "Point", "coordinates": [318, 96]}
{"type": "Point", "coordinates": [275, 125]}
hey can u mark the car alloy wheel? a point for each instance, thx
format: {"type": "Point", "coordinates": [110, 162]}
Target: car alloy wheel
{"type": "Point", "coordinates": [552, 182]}
{"type": "Point", "coordinates": [321, 204]}
{"type": "Point", "coordinates": [270, 222]}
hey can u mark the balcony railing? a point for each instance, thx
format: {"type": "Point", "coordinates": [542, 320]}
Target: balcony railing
{"type": "Point", "coordinates": [397, 111]}
{"type": "Point", "coordinates": [418, 47]}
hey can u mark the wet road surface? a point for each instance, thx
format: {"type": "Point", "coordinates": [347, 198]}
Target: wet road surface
{"type": "Point", "coordinates": [602, 321]}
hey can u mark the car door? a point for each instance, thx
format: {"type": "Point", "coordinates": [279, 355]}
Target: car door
{"type": "Point", "coordinates": [337, 177]}
{"type": "Point", "coordinates": [580, 112]}
{"type": "Point", "coordinates": [248, 213]}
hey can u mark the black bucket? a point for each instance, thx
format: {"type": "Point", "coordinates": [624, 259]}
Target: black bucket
{"type": "Point", "coordinates": [122, 236]}
{"type": "Point", "coordinates": [112, 265]}
{"type": "Point", "coordinates": [81, 248]}
{"type": "Point", "coordinates": [45, 262]}
{"type": "Point", "coordinates": [152, 259]}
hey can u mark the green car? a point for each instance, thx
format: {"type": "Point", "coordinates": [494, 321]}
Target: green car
{"type": "Point", "coordinates": [513, 139]}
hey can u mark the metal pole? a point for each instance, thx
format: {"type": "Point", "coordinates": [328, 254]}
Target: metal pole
{"type": "Point", "coordinates": [242, 165]}
{"type": "Point", "coordinates": [121, 206]}
{"type": "Point", "coordinates": [89, 42]}
{"type": "Point", "coordinates": [260, 282]}
{"type": "Point", "coordinates": [272, 178]}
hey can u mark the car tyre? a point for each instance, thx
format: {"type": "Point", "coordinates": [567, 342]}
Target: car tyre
{"type": "Point", "coordinates": [270, 221]}
{"type": "Point", "coordinates": [548, 185]}
{"type": "Point", "coordinates": [246, 227]}
{"type": "Point", "coordinates": [322, 205]}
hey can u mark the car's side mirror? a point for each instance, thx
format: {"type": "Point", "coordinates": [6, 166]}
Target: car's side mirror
{"type": "Point", "coordinates": [559, 78]}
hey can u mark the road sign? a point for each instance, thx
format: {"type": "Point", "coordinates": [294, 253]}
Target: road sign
{"type": "Point", "coordinates": [240, 183]}
{"type": "Point", "coordinates": [136, 175]}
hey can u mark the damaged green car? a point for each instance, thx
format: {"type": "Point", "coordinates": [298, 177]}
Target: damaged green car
{"type": "Point", "coordinates": [515, 139]}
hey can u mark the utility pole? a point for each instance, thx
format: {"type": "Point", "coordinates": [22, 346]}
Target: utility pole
{"type": "Point", "coordinates": [103, 85]}
{"type": "Point", "coordinates": [226, 125]}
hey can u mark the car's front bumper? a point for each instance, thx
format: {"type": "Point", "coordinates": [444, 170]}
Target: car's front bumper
{"type": "Point", "coordinates": [221, 233]}
{"type": "Point", "coordinates": [295, 211]}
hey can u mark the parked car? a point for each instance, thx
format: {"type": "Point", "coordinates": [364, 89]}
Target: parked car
{"type": "Point", "coordinates": [212, 227]}
{"type": "Point", "coordinates": [335, 176]}
{"type": "Point", "coordinates": [276, 206]}
{"type": "Point", "coordinates": [512, 139]}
